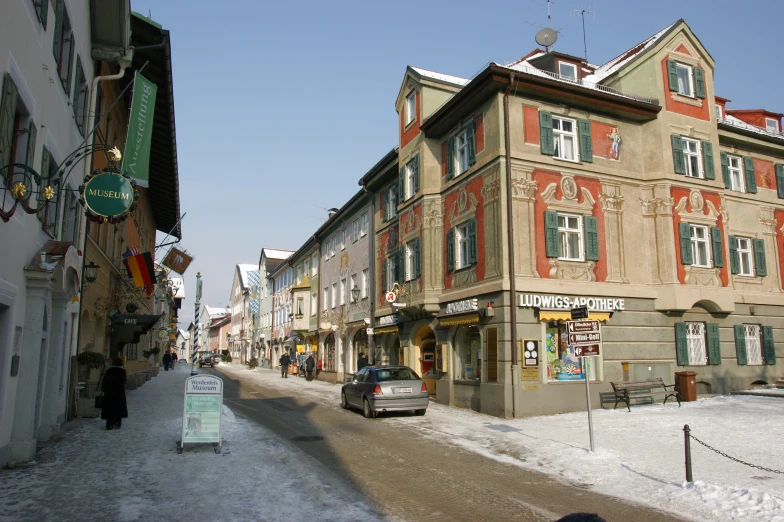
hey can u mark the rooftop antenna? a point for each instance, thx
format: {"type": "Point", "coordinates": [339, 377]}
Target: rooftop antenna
{"type": "Point", "coordinates": [546, 36]}
{"type": "Point", "coordinates": [582, 12]}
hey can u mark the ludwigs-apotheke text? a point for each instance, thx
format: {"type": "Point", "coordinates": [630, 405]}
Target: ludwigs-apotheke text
{"type": "Point", "coordinates": [563, 302]}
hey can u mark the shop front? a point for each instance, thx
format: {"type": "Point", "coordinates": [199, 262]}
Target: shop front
{"type": "Point", "coordinates": [387, 341]}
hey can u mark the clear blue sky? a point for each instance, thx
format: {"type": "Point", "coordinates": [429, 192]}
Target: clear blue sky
{"type": "Point", "coordinates": [282, 106]}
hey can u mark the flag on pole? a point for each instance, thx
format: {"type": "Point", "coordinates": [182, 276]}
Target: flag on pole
{"type": "Point", "coordinates": [131, 252]}
{"type": "Point", "coordinates": [141, 268]}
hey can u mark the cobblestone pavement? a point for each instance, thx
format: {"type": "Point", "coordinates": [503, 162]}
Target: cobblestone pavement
{"type": "Point", "coordinates": [408, 477]}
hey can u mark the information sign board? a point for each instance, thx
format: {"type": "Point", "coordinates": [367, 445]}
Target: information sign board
{"type": "Point", "coordinates": [201, 416]}
{"type": "Point", "coordinates": [586, 350]}
{"type": "Point", "coordinates": [581, 312]}
{"type": "Point", "coordinates": [583, 332]}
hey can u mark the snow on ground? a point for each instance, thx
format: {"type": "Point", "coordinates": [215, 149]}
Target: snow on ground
{"type": "Point", "coordinates": [639, 455]}
{"type": "Point", "coordinates": [135, 473]}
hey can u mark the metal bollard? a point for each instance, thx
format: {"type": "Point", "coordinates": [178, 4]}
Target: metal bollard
{"type": "Point", "coordinates": [686, 435]}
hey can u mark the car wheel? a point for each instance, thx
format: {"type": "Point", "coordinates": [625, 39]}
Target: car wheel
{"type": "Point", "coordinates": [419, 413]}
{"type": "Point", "coordinates": [344, 400]}
{"type": "Point", "coordinates": [366, 409]}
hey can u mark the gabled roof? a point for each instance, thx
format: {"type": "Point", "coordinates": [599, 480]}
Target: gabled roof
{"type": "Point", "coordinates": [274, 253]}
{"type": "Point", "coordinates": [439, 77]}
{"type": "Point", "coordinates": [213, 311]}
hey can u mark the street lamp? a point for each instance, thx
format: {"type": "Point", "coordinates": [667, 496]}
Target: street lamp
{"type": "Point", "coordinates": [355, 293]}
{"type": "Point", "coordinates": [91, 272]}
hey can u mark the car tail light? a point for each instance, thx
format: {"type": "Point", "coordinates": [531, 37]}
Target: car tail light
{"type": "Point", "coordinates": [424, 388]}
{"type": "Point", "coordinates": [377, 390]}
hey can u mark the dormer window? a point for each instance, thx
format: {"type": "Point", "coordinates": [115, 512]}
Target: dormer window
{"type": "Point", "coordinates": [567, 70]}
{"type": "Point", "coordinates": [719, 115]}
{"type": "Point", "coordinates": [771, 125]}
{"type": "Point", "coordinates": [686, 80]}
{"type": "Point", "coordinates": [410, 107]}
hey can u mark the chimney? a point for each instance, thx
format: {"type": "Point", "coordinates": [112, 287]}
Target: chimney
{"type": "Point", "coordinates": [331, 212]}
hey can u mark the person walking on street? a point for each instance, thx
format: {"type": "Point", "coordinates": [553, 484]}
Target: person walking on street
{"type": "Point", "coordinates": [174, 360]}
{"type": "Point", "coordinates": [285, 360]}
{"type": "Point", "coordinates": [114, 408]}
{"type": "Point", "coordinates": [362, 361]}
{"type": "Point", "coordinates": [310, 362]}
{"type": "Point", "coordinates": [167, 360]}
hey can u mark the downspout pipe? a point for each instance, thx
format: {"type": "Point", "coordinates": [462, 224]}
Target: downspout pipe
{"type": "Point", "coordinates": [371, 272]}
{"type": "Point", "coordinates": [510, 247]}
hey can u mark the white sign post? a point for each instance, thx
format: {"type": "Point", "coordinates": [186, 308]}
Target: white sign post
{"type": "Point", "coordinates": [201, 414]}
{"type": "Point", "coordinates": [584, 337]}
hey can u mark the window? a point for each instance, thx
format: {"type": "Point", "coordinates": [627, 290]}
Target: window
{"type": "Point", "coordinates": [771, 125]}
{"type": "Point", "coordinates": [80, 97]}
{"type": "Point", "coordinates": [693, 157]}
{"type": "Point", "coordinates": [565, 138]}
{"type": "Point", "coordinates": [562, 365]}
{"type": "Point", "coordinates": [409, 183]}
{"type": "Point", "coordinates": [412, 260]}
{"type": "Point", "coordinates": [736, 173]}
{"type": "Point", "coordinates": [570, 237]}
{"type": "Point", "coordinates": [314, 264]}
{"type": "Point", "coordinates": [461, 151]}
{"type": "Point", "coordinates": [365, 282]}
{"type": "Point", "coordinates": [343, 239]}
{"type": "Point", "coordinates": [461, 246]}
{"type": "Point", "coordinates": [410, 107]}
{"type": "Point", "coordinates": [42, 10]}
{"type": "Point", "coordinates": [695, 341]}
{"type": "Point", "coordinates": [567, 70]}
{"type": "Point", "coordinates": [684, 80]}
{"type": "Point", "coordinates": [300, 306]}
{"type": "Point", "coordinates": [332, 248]}
{"type": "Point", "coordinates": [63, 45]}
{"type": "Point", "coordinates": [355, 231]}
{"type": "Point", "coordinates": [745, 256]}
{"type": "Point", "coordinates": [753, 338]}
{"type": "Point", "coordinates": [390, 202]}
{"type": "Point", "coordinates": [334, 294]}
{"type": "Point", "coordinates": [363, 227]}
{"type": "Point", "coordinates": [700, 246]}
{"type": "Point", "coordinates": [719, 115]}
{"type": "Point", "coordinates": [462, 258]}
{"type": "Point", "coordinates": [391, 272]}
{"type": "Point", "coordinates": [326, 298]}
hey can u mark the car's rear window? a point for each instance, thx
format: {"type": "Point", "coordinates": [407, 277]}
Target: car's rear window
{"type": "Point", "coordinates": [396, 374]}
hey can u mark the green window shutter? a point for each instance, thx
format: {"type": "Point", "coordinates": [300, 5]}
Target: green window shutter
{"type": "Point", "coordinates": [740, 344]}
{"type": "Point", "coordinates": [552, 245]}
{"type": "Point", "coordinates": [684, 231]}
{"type": "Point", "coordinates": [546, 137]}
{"type": "Point", "coordinates": [472, 254]}
{"type": "Point", "coordinates": [450, 250]}
{"type": "Point", "coordinates": [677, 155]}
{"type": "Point", "coordinates": [699, 82]}
{"type": "Point", "coordinates": [672, 75]}
{"type": "Point", "coordinates": [382, 204]}
{"type": "Point", "coordinates": [586, 148]}
{"type": "Point", "coordinates": [768, 346]}
{"type": "Point", "coordinates": [714, 343]}
{"type": "Point", "coordinates": [471, 143]}
{"type": "Point", "coordinates": [57, 43]}
{"type": "Point", "coordinates": [450, 158]}
{"type": "Point", "coordinates": [780, 180]}
{"type": "Point", "coordinates": [69, 71]}
{"type": "Point", "coordinates": [681, 344]}
{"type": "Point", "coordinates": [7, 117]}
{"type": "Point", "coordinates": [76, 92]}
{"type": "Point", "coordinates": [718, 247]}
{"type": "Point", "coordinates": [384, 269]}
{"type": "Point", "coordinates": [707, 160]}
{"type": "Point", "coordinates": [591, 225]}
{"type": "Point", "coordinates": [43, 11]}
{"type": "Point", "coordinates": [751, 178]}
{"type": "Point", "coordinates": [415, 166]}
{"type": "Point", "coordinates": [32, 133]}
{"type": "Point", "coordinates": [760, 263]}
{"type": "Point", "coordinates": [417, 265]}
{"type": "Point", "coordinates": [734, 256]}
{"type": "Point", "coordinates": [402, 183]}
{"type": "Point", "coordinates": [725, 169]}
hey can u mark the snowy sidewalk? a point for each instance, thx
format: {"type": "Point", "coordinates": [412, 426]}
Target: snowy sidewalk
{"type": "Point", "coordinates": [642, 450]}
{"type": "Point", "coordinates": [135, 473]}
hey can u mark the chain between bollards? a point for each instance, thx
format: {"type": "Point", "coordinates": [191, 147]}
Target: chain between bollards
{"type": "Point", "coordinates": [686, 437]}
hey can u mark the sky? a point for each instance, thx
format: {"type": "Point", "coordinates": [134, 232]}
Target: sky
{"type": "Point", "coordinates": [282, 106]}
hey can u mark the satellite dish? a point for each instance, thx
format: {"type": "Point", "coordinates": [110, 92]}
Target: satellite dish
{"type": "Point", "coordinates": [546, 37]}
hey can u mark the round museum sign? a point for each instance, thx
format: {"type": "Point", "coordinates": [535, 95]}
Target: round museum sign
{"type": "Point", "coordinates": [108, 194]}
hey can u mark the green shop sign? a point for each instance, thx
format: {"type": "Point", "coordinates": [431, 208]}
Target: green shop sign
{"type": "Point", "coordinates": [108, 194]}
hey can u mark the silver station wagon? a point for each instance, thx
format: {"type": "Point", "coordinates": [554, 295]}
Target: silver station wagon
{"type": "Point", "coordinates": [377, 389]}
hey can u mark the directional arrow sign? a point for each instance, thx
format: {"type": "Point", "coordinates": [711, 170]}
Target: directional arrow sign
{"type": "Point", "coordinates": [583, 332]}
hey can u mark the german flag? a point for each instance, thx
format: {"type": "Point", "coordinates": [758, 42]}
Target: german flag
{"type": "Point", "coordinates": [141, 268]}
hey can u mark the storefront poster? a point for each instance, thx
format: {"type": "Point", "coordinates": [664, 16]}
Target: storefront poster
{"type": "Point", "coordinates": [562, 365]}
{"type": "Point", "coordinates": [202, 418]}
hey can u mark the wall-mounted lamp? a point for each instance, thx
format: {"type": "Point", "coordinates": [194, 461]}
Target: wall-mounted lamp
{"type": "Point", "coordinates": [91, 272]}
{"type": "Point", "coordinates": [355, 294]}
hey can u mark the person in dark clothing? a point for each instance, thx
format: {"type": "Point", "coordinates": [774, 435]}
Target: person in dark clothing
{"type": "Point", "coordinates": [362, 361]}
{"type": "Point", "coordinates": [285, 360]}
{"type": "Point", "coordinates": [167, 360]}
{"type": "Point", "coordinates": [174, 359]}
{"type": "Point", "coordinates": [114, 408]}
{"type": "Point", "coordinates": [310, 363]}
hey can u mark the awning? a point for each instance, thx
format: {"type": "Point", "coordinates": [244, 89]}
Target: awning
{"type": "Point", "coordinates": [129, 328]}
{"type": "Point", "coordinates": [385, 329]}
{"type": "Point", "coordinates": [471, 318]}
{"type": "Point", "coordinates": [566, 315]}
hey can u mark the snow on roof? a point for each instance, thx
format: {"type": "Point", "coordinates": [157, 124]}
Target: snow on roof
{"type": "Point", "coordinates": [184, 334]}
{"type": "Point", "coordinates": [735, 122]}
{"type": "Point", "coordinates": [244, 269]}
{"type": "Point", "coordinates": [447, 78]}
{"type": "Point", "coordinates": [619, 61]}
{"type": "Point", "coordinates": [213, 311]}
{"type": "Point", "coordinates": [274, 253]}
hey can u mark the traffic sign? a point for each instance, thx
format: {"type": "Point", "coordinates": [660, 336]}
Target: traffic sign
{"type": "Point", "coordinates": [581, 312]}
{"type": "Point", "coordinates": [586, 350]}
{"type": "Point", "coordinates": [583, 332]}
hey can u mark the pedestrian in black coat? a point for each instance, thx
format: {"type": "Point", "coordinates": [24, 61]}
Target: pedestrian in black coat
{"type": "Point", "coordinates": [114, 406]}
{"type": "Point", "coordinates": [310, 363]}
{"type": "Point", "coordinates": [167, 359]}
{"type": "Point", "coordinates": [285, 360]}
{"type": "Point", "coordinates": [362, 361]}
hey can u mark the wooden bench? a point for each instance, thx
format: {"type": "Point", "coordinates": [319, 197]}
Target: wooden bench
{"type": "Point", "coordinates": [647, 389]}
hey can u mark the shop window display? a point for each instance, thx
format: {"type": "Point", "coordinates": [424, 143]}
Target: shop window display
{"type": "Point", "coordinates": [329, 353]}
{"type": "Point", "coordinates": [562, 365]}
{"type": "Point", "coordinates": [469, 354]}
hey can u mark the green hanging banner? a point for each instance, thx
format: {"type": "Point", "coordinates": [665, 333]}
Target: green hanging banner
{"type": "Point", "coordinates": [136, 158]}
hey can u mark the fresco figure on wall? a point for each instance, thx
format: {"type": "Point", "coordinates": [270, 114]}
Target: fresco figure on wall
{"type": "Point", "coordinates": [615, 148]}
